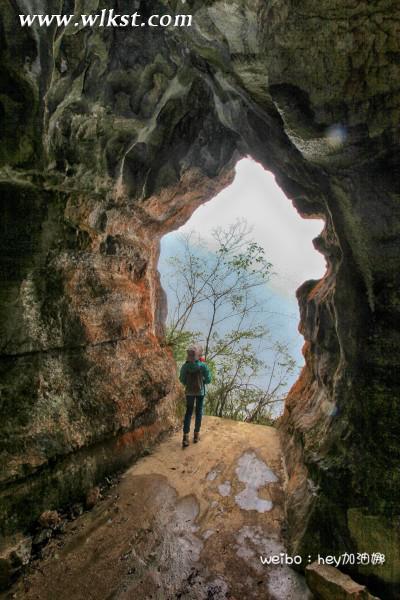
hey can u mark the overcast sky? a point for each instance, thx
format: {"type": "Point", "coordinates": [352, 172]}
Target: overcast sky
{"type": "Point", "coordinates": [285, 236]}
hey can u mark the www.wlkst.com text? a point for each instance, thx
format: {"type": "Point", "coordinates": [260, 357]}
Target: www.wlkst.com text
{"type": "Point", "coordinates": [106, 18]}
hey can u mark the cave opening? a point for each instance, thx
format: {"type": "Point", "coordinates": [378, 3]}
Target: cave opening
{"type": "Point", "coordinates": [256, 210]}
{"type": "Point", "coordinates": [111, 139]}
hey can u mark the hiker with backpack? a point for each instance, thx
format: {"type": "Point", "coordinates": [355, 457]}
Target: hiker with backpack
{"type": "Point", "coordinates": [194, 375]}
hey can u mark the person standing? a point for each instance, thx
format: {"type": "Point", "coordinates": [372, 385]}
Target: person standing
{"type": "Point", "coordinates": [194, 375]}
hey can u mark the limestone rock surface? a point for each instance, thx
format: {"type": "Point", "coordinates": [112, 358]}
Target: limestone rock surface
{"type": "Point", "coordinates": [111, 137]}
{"type": "Point", "coordinates": [328, 583]}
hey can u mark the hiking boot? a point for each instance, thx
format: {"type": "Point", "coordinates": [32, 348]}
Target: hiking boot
{"type": "Point", "coordinates": [185, 441]}
{"type": "Point", "coordinates": [196, 436]}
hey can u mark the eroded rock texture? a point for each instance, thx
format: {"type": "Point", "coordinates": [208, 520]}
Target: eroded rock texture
{"type": "Point", "coordinates": [112, 137]}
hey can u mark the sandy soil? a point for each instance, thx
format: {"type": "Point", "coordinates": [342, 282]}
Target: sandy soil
{"type": "Point", "coordinates": [189, 524]}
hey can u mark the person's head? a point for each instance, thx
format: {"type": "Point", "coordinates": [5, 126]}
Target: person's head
{"type": "Point", "coordinates": [191, 354]}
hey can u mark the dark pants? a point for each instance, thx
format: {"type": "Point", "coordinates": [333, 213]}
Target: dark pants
{"type": "Point", "coordinates": [189, 411]}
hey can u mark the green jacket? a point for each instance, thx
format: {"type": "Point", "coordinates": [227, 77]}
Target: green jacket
{"type": "Point", "coordinates": [189, 366]}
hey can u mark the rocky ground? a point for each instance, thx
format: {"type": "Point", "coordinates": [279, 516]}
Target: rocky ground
{"type": "Point", "coordinates": [111, 139]}
{"type": "Point", "coordinates": [189, 524]}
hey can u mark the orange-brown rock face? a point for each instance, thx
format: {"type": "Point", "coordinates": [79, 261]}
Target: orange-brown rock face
{"type": "Point", "coordinates": [111, 137]}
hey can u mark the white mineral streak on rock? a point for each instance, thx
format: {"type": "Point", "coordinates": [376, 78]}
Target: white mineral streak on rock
{"type": "Point", "coordinates": [225, 488]}
{"type": "Point", "coordinates": [255, 474]}
{"type": "Point", "coordinates": [211, 475]}
{"type": "Point", "coordinates": [282, 582]}
{"type": "Point", "coordinates": [208, 533]}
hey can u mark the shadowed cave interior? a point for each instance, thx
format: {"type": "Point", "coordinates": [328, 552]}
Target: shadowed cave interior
{"type": "Point", "coordinates": [111, 139]}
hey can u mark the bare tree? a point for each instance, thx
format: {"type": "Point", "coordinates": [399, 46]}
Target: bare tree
{"type": "Point", "coordinates": [218, 289]}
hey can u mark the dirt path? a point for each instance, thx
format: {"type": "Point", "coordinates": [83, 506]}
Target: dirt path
{"type": "Point", "coordinates": [188, 524]}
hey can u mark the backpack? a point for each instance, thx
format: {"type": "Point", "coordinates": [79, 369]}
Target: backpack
{"type": "Point", "coordinates": [194, 382]}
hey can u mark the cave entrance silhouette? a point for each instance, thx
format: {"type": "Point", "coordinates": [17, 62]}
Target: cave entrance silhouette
{"type": "Point", "coordinates": [286, 239]}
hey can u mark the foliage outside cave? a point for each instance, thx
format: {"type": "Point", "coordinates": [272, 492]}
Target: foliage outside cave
{"type": "Point", "coordinates": [218, 297]}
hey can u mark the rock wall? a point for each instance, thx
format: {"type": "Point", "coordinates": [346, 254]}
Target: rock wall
{"type": "Point", "coordinates": [111, 138]}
